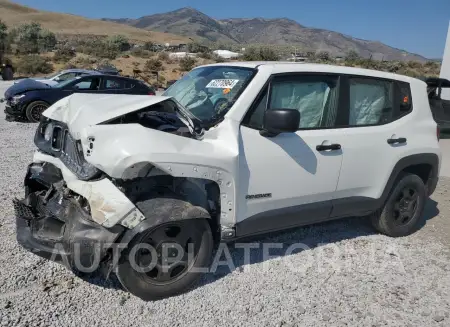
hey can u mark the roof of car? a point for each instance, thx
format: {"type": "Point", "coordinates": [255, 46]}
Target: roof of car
{"type": "Point", "coordinates": [286, 67]}
{"type": "Point", "coordinates": [77, 70]}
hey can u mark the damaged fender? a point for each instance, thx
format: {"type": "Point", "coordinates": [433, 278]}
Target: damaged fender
{"type": "Point", "coordinates": [109, 206]}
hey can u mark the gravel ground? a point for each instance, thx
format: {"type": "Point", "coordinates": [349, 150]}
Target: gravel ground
{"type": "Point", "coordinates": [347, 275]}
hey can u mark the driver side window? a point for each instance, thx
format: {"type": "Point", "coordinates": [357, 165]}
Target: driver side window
{"type": "Point", "coordinates": [315, 97]}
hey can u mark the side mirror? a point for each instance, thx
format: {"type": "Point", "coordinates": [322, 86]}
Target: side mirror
{"type": "Point", "coordinates": [278, 121]}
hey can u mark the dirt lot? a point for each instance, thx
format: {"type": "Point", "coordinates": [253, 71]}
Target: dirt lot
{"type": "Point", "coordinates": [346, 275]}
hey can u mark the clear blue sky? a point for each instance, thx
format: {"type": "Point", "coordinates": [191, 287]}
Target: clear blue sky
{"type": "Point", "coordinates": [418, 26]}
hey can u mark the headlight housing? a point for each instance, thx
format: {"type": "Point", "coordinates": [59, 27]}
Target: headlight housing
{"type": "Point", "coordinates": [16, 99]}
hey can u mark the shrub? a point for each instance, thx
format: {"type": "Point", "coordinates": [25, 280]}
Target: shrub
{"type": "Point", "coordinates": [352, 55]}
{"type": "Point", "coordinates": [217, 58]}
{"type": "Point", "coordinates": [205, 55]}
{"type": "Point", "coordinates": [4, 44]}
{"type": "Point", "coordinates": [64, 54]}
{"type": "Point", "coordinates": [85, 62]}
{"type": "Point", "coordinates": [141, 53]}
{"type": "Point", "coordinates": [260, 54]}
{"type": "Point", "coordinates": [47, 40]}
{"type": "Point", "coordinates": [187, 63]}
{"type": "Point", "coordinates": [149, 46]}
{"type": "Point", "coordinates": [118, 42]}
{"type": "Point", "coordinates": [153, 65]}
{"type": "Point", "coordinates": [31, 38]}
{"type": "Point", "coordinates": [323, 55]}
{"type": "Point", "coordinates": [34, 64]}
{"type": "Point", "coordinates": [164, 56]}
{"type": "Point", "coordinates": [414, 64]}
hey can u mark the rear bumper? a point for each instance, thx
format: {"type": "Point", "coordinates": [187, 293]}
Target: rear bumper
{"type": "Point", "coordinates": [56, 227]}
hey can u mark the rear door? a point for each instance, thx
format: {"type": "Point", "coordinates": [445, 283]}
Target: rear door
{"type": "Point", "coordinates": [376, 132]}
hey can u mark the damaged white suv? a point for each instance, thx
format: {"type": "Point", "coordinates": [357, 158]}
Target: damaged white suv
{"type": "Point", "coordinates": [145, 186]}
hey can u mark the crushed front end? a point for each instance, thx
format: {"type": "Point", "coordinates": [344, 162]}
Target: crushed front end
{"type": "Point", "coordinates": [70, 214]}
{"type": "Point", "coordinates": [55, 223]}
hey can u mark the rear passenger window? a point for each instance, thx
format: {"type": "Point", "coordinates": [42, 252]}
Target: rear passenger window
{"type": "Point", "coordinates": [114, 84]}
{"type": "Point", "coordinates": [371, 101]}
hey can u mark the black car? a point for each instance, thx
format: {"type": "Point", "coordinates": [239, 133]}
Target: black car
{"type": "Point", "coordinates": [28, 99]}
{"type": "Point", "coordinates": [439, 107]}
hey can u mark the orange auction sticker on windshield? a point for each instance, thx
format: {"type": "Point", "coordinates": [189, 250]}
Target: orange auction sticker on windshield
{"type": "Point", "coordinates": [226, 91]}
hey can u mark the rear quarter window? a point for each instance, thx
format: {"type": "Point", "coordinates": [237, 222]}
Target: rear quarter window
{"type": "Point", "coordinates": [403, 99]}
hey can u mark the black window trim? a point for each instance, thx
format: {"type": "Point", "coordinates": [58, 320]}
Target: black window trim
{"type": "Point", "coordinates": [343, 103]}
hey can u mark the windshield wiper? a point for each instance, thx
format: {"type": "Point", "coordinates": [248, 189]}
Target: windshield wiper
{"type": "Point", "coordinates": [195, 128]}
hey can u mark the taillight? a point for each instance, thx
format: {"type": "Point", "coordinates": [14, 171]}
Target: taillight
{"type": "Point", "coordinates": [438, 133]}
{"type": "Point", "coordinates": [151, 93]}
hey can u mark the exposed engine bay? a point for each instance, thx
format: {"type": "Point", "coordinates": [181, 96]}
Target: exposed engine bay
{"type": "Point", "coordinates": [162, 116]}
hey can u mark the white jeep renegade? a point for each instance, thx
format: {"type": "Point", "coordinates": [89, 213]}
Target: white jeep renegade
{"type": "Point", "coordinates": [228, 151]}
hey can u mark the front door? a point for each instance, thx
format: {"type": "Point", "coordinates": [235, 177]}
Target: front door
{"type": "Point", "coordinates": [290, 179]}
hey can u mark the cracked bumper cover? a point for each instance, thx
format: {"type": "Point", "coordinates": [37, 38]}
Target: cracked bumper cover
{"type": "Point", "coordinates": [56, 227]}
{"type": "Point", "coordinates": [109, 206]}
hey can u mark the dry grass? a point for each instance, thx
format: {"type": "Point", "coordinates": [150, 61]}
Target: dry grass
{"type": "Point", "coordinates": [14, 14]}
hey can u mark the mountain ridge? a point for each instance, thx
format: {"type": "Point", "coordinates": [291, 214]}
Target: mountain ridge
{"type": "Point", "coordinates": [190, 22]}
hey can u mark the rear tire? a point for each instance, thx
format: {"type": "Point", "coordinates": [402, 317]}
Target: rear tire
{"type": "Point", "coordinates": [155, 284]}
{"type": "Point", "coordinates": [402, 213]}
{"type": "Point", "coordinates": [34, 110]}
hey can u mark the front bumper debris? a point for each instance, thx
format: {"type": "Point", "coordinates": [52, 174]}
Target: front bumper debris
{"type": "Point", "coordinates": [13, 112]}
{"type": "Point", "coordinates": [109, 206]}
{"type": "Point", "coordinates": [54, 225]}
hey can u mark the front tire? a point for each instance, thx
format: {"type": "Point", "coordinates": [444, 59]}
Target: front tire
{"type": "Point", "coordinates": [402, 213]}
{"type": "Point", "coordinates": [194, 235]}
{"type": "Point", "coordinates": [34, 111]}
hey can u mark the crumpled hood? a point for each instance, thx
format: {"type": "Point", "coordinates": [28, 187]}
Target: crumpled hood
{"type": "Point", "coordinates": [81, 110]}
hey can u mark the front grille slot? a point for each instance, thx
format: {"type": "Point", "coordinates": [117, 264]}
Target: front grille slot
{"type": "Point", "coordinates": [57, 138]}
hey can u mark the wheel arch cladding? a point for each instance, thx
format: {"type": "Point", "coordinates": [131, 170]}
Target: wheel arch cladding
{"type": "Point", "coordinates": [222, 178]}
{"type": "Point", "coordinates": [164, 210]}
{"type": "Point", "coordinates": [425, 165]}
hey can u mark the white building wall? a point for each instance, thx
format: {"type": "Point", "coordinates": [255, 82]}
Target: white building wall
{"type": "Point", "coordinates": [445, 68]}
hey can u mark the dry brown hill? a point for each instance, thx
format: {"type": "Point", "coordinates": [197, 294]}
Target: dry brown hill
{"type": "Point", "coordinates": [14, 14]}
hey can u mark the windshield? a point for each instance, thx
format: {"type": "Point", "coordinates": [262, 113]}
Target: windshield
{"type": "Point", "coordinates": [209, 92]}
{"type": "Point", "coordinates": [66, 82]}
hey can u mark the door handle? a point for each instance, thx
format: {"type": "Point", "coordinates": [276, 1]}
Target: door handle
{"type": "Point", "coordinates": [400, 140]}
{"type": "Point", "coordinates": [332, 147]}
